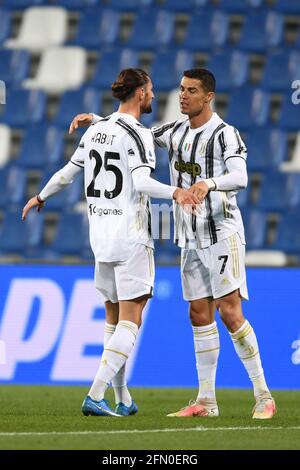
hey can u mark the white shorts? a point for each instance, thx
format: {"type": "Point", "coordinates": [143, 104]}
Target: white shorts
{"type": "Point", "coordinates": [214, 271]}
{"type": "Point", "coordinates": [129, 279]}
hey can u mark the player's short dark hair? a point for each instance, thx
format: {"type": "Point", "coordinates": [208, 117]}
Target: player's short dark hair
{"type": "Point", "coordinates": [207, 78]}
{"type": "Point", "coordinates": [127, 82]}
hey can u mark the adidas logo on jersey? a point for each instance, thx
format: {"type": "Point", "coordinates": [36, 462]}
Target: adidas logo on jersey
{"type": "Point", "coordinates": [131, 152]}
{"type": "Point", "coordinates": [193, 169]}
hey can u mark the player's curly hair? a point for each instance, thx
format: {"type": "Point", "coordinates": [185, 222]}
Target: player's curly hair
{"type": "Point", "coordinates": [127, 82]}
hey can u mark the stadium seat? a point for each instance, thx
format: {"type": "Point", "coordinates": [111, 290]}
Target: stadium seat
{"type": "Point", "coordinates": [17, 235]}
{"type": "Point", "coordinates": [76, 4]}
{"type": "Point", "coordinates": [87, 99]}
{"type": "Point", "coordinates": [261, 30]}
{"type": "Point", "coordinates": [5, 147]}
{"type": "Point", "coordinates": [153, 28]}
{"type": "Point", "coordinates": [22, 4]}
{"type": "Point", "coordinates": [279, 192]}
{"type": "Point", "coordinates": [184, 6]}
{"type": "Point", "coordinates": [13, 186]}
{"type": "Point", "coordinates": [167, 68]}
{"type": "Point", "coordinates": [41, 28]}
{"type": "Point", "coordinates": [267, 149]}
{"type": "Point", "coordinates": [162, 157]}
{"type": "Point", "coordinates": [129, 5]}
{"type": "Point", "coordinates": [273, 78]}
{"type": "Point", "coordinates": [69, 238]}
{"type": "Point", "coordinates": [287, 236]}
{"type": "Point", "coordinates": [239, 6]}
{"type": "Point", "coordinates": [243, 197]}
{"type": "Point", "coordinates": [248, 107]}
{"type": "Point", "coordinates": [110, 64]}
{"type": "Point", "coordinates": [98, 28]}
{"type": "Point", "coordinates": [42, 147]}
{"type": "Point", "coordinates": [255, 224]}
{"type": "Point", "coordinates": [24, 107]}
{"type": "Point", "coordinates": [86, 251]}
{"type": "Point", "coordinates": [65, 199]}
{"type": "Point", "coordinates": [5, 23]}
{"type": "Point", "coordinates": [14, 66]}
{"type": "Point", "coordinates": [289, 116]}
{"type": "Point", "coordinates": [230, 68]}
{"type": "Point", "coordinates": [61, 69]}
{"type": "Point", "coordinates": [206, 30]}
{"type": "Point", "coordinates": [290, 7]}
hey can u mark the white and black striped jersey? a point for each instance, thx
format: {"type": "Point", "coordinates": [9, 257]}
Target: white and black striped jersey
{"type": "Point", "coordinates": [194, 155]}
{"type": "Point", "coordinates": [119, 216]}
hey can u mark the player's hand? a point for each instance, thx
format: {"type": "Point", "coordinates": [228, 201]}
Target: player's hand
{"type": "Point", "coordinates": [185, 198]}
{"type": "Point", "coordinates": [200, 190]}
{"type": "Point", "coordinates": [33, 202]}
{"type": "Point", "coordinates": [81, 120]}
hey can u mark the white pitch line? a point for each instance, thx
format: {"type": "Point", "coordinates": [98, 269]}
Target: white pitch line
{"type": "Point", "coordinates": [142, 431]}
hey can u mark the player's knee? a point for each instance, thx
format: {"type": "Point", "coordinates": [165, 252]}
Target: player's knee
{"type": "Point", "coordinates": [198, 317]}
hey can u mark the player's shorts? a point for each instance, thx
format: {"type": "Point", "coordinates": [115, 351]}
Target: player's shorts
{"type": "Point", "coordinates": [214, 271]}
{"type": "Point", "coordinates": [129, 279]}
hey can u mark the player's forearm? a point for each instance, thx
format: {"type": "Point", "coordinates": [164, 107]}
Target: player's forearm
{"type": "Point", "coordinates": [59, 180]}
{"type": "Point", "coordinates": [234, 180]}
{"type": "Point", "coordinates": [95, 118]}
{"type": "Point", "coordinates": [143, 183]}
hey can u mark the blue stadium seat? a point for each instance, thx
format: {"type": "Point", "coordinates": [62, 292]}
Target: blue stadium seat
{"type": "Point", "coordinates": [261, 30]}
{"type": "Point", "coordinates": [243, 197]}
{"type": "Point", "coordinates": [75, 4]}
{"type": "Point", "coordinates": [289, 117]}
{"type": "Point", "coordinates": [110, 64]}
{"type": "Point", "coordinates": [4, 25]}
{"type": "Point", "coordinates": [230, 68]}
{"type": "Point", "coordinates": [267, 149]}
{"type": "Point", "coordinates": [291, 7]}
{"type": "Point", "coordinates": [248, 107]}
{"type": "Point", "coordinates": [162, 173]}
{"type": "Point", "coordinates": [97, 28]}
{"type": "Point", "coordinates": [239, 6]}
{"type": "Point", "coordinates": [87, 99]}
{"type": "Point", "coordinates": [13, 186]}
{"type": "Point", "coordinates": [273, 78]}
{"type": "Point", "coordinates": [152, 28]}
{"type": "Point", "coordinates": [17, 235]}
{"type": "Point", "coordinates": [167, 69]}
{"type": "Point", "coordinates": [287, 237]}
{"type": "Point", "coordinates": [42, 147]}
{"type": "Point", "coordinates": [69, 238]}
{"type": "Point", "coordinates": [129, 5]}
{"type": "Point", "coordinates": [14, 65]}
{"type": "Point", "coordinates": [206, 30]}
{"type": "Point", "coordinates": [279, 192]}
{"type": "Point", "coordinates": [65, 199]}
{"type": "Point", "coordinates": [86, 251]}
{"type": "Point", "coordinates": [184, 6]}
{"type": "Point", "coordinates": [162, 157]}
{"type": "Point", "coordinates": [255, 224]}
{"type": "Point", "coordinates": [24, 107]}
{"type": "Point", "coordinates": [21, 4]}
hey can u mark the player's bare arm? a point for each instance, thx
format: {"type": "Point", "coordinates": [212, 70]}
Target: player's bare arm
{"type": "Point", "coordinates": [80, 120]}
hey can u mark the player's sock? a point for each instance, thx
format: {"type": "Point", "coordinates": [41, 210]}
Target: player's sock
{"type": "Point", "coordinates": [119, 384]}
{"type": "Point", "coordinates": [207, 346]}
{"type": "Point", "coordinates": [246, 346]}
{"type": "Point", "coordinates": [114, 357]}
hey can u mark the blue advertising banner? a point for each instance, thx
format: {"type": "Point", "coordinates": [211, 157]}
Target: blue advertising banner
{"type": "Point", "coordinates": [52, 321]}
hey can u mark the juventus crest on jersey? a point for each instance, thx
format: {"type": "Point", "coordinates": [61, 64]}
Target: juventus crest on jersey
{"type": "Point", "coordinates": [194, 155]}
{"type": "Point", "coordinates": [119, 216]}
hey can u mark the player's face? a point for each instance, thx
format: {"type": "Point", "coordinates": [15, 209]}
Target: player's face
{"type": "Point", "coordinates": [193, 97]}
{"type": "Point", "coordinates": [146, 107]}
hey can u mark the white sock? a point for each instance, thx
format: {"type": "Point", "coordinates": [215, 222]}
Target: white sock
{"type": "Point", "coordinates": [245, 344]}
{"type": "Point", "coordinates": [207, 346]}
{"type": "Point", "coordinates": [114, 357]}
{"type": "Point", "coordinates": [119, 381]}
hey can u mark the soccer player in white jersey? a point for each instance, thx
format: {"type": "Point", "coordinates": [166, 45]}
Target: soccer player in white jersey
{"type": "Point", "coordinates": [117, 155]}
{"type": "Point", "coordinates": [209, 155]}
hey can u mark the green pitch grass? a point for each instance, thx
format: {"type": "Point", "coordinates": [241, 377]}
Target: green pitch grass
{"type": "Point", "coordinates": [50, 418]}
